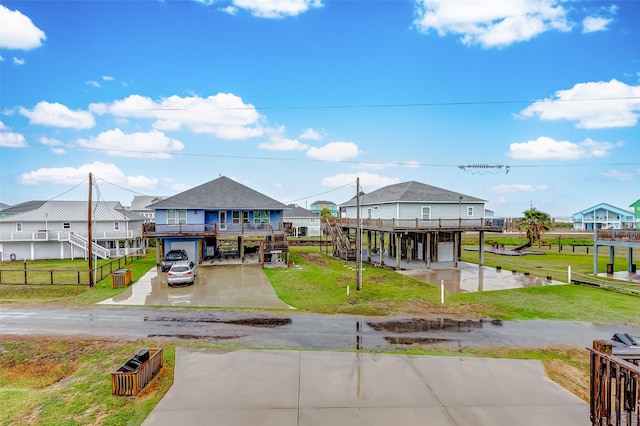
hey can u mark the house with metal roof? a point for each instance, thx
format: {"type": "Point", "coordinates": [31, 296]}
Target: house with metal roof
{"type": "Point", "coordinates": [140, 203]}
{"type": "Point", "coordinates": [603, 216]}
{"type": "Point", "coordinates": [218, 214]}
{"type": "Point", "coordinates": [301, 222]}
{"type": "Point", "coordinates": [413, 221]}
{"type": "Point", "coordinates": [36, 230]}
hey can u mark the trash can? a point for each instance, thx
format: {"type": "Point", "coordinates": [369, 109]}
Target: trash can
{"type": "Point", "coordinates": [610, 268]}
{"type": "Point", "coordinates": [121, 278]}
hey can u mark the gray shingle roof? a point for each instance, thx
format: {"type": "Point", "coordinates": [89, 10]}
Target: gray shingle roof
{"type": "Point", "coordinates": [412, 191]}
{"type": "Point", "coordinates": [220, 193]}
{"type": "Point", "coordinates": [297, 211]}
{"type": "Point", "coordinates": [72, 211]}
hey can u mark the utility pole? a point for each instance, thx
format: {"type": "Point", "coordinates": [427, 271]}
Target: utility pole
{"type": "Point", "coordinates": [358, 239]}
{"type": "Point", "coordinates": [90, 233]}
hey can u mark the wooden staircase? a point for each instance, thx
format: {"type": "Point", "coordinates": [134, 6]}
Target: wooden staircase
{"type": "Point", "coordinates": [343, 246]}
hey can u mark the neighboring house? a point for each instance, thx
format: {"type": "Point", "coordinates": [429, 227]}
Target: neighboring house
{"type": "Point", "coordinates": [603, 216]}
{"type": "Point", "coordinates": [415, 200]}
{"type": "Point", "coordinates": [301, 222]}
{"type": "Point", "coordinates": [37, 230]}
{"type": "Point", "coordinates": [635, 208]}
{"type": "Point", "coordinates": [216, 214]}
{"type": "Point", "coordinates": [414, 221]}
{"type": "Point", "coordinates": [140, 203]}
{"type": "Point", "coordinates": [317, 207]}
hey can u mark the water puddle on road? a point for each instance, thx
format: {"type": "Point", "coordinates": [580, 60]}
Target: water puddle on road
{"type": "Point", "coordinates": [264, 322]}
{"type": "Point", "coordinates": [420, 325]}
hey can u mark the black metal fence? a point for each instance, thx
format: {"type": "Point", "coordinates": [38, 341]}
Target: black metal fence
{"type": "Point", "coordinates": [27, 276]}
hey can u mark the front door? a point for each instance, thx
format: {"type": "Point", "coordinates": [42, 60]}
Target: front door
{"type": "Point", "coordinates": [223, 221]}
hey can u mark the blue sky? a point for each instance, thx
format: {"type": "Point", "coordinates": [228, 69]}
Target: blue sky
{"type": "Point", "coordinates": [298, 98]}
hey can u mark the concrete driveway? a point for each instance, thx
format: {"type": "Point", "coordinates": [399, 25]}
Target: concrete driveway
{"type": "Point", "coordinates": [228, 286]}
{"type": "Point", "coordinates": [287, 388]}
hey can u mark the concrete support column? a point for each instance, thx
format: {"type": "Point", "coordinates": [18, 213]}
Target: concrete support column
{"type": "Point", "coordinates": [381, 248]}
{"type": "Point", "coordinates": [481, 254]}
{"type": "Point", "coordinates": [595, 259]}
{"type": "Point", "coordinates": [369, 246]}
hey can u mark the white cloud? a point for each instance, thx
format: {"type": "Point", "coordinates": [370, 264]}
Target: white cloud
{"type": "Point", "coordinates": [12, 140]}
{"type": "Point", "coordinates": [57, 147]}
{"type": "Point", "coordinates": [50, 141]}
{"type": "Point", "coordinates": [369, 180]}
{"type": "Point", "coordinates": [620, 175]}
{"type": "Point", "coordinates": [18, 61]}
{"type": "Point", "coordinates": [224, 115]}
{"type": "Point", "coordinates": [270, 8]}
{"type": "Point", "coordinates": [592, 24]}
{"type": "Point", "coordinates": [310, 135]}
{"type": "Point", "coordinates": [93, 83]}
{"type": "Point", "coordinates": [153, 144]}
{"type": "Point", "coordinates": [280, 143]}
{"type": "Point", "coordinates": [516, 187]}
{"type": "Point", "coordinates": [489, 23]}
{"type": "Point", "coordinates": [107, 78]}
{"type": "Point", "coordinates": [58, 115]}
{"type": "Point", "coordinates": [545, 148]}
{"type": "Point", "coordinates": [3, 126]}
{"type": "Point", "coordinates": [175, 186]}
{"type": "Point", "coordinates": [413, 164]}
{"type": "Point", "coordinates": [18, 31]}
{"type": "Point", "coordinates": [334, 151]}
{"type": "Point", "coordinates": [593, 105]}
{"type": "Point", "coordinates": [73, 175]}
{"type": "Point", "coordinates": [1, 58]}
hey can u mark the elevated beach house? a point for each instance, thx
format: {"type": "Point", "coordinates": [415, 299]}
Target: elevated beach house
{"type": "Point", "coordinates": [219, 218]}
{"type": "Point", "coordinates": [36, 230]}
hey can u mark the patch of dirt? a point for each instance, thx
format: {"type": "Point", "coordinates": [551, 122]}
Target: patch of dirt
{"type": "Point", "coordinates": [38, 362]}
{"type": "Point", "coordinates": [318, 259]}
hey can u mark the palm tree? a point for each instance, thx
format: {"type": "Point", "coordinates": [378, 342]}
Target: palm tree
{"type": "Point", "coordinates": [534, 223]}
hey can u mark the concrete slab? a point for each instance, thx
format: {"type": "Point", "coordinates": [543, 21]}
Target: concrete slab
{"type": "Point", "coordinates": [243, 387]}
{"type": "Point", "coordinates": [217, 286]}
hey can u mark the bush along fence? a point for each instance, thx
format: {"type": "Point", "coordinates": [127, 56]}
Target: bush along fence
{"type": "Point", "coordinates": [26, 276]}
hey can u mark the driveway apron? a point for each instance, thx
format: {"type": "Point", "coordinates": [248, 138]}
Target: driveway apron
{"type": "Point", "coordinates": [287, 388]}
{"type": "Point", "coordinates": [229, 286]}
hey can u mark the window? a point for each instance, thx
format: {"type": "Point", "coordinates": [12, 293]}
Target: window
{"type": "Point", "coordinates": [469, 211]}
{"type": "Point", "coordinates": [18, 227]}
{"type": "Point", "coordinates": [116, 226]}
{"type": "Point", "coordinates": [426, 212]}
{"type": "Point", "coordinates": [369, 213]}
{"type": "Point", "coordinates": [66, 225]}
{"type": "Point", "coordinates": [176, 217]}
{"type": "Point", "coordinates": [245, 217]}
{"type": "Point", "coordinates": [235, 216]}
{"type": "Point", "coordinates": [260, 216]}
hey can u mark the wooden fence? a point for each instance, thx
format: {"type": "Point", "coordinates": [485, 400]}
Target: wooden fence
{"type": "Point", "coordinates": [25, 276]}
{"type": "Point", "coordinates": [615, 375]}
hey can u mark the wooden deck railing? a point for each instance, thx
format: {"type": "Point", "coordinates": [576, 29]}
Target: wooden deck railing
{"type": "Point", "coordinates": [630, 235]}
{"type": "Point", "coordinates": [615, 375]}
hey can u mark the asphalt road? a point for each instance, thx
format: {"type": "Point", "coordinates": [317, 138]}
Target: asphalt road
{"type": "Point", "coordinates": [293, 330]}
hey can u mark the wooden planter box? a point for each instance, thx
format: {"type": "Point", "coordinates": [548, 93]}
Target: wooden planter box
{"type": "Point", "coordinates": [127, 382]}
{"type": "Point", "coordinates": [121, 278]}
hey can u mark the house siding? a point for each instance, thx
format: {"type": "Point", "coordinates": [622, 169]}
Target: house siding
{"type": "Point", "coordinates": [414, 211]}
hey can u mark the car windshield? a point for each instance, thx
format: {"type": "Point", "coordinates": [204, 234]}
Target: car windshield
{"type": "Point", "coordinates": [179, 269]}
{"type": "Point", "coordinates": [174, 256]}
